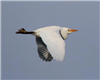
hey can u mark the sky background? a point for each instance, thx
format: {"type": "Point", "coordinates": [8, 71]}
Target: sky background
{"type": "Point", "coordinates": [20, 59]}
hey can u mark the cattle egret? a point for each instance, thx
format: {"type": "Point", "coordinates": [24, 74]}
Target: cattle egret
{"type": "Point", "coordinates": [50, 41]}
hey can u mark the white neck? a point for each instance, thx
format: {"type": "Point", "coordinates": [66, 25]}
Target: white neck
{"type": "Point", "coordinates": [64, 33]}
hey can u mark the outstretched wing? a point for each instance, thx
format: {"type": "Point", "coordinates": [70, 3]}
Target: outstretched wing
{"type": "Point", "coordinates": [54, 42]}
{"type": "Point", "coordinates": [42, 50]}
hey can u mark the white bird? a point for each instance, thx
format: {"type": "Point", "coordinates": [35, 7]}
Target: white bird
{"type": "Point", "coordinates": [50, 41]}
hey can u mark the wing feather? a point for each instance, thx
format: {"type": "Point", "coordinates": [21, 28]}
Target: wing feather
{"type": "Point", "coordinates": [42, 50]}
{"type": "Point", "coordinates": [54, 42]}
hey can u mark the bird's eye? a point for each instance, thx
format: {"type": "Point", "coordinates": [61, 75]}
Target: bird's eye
{"type": "Point", "coordinates": [68, 30]}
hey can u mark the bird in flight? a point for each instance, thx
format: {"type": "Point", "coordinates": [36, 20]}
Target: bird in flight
{"type": "Point", "coordinates": [50, 41]}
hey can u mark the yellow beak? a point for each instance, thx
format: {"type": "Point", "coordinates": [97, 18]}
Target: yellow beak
{"type": "Point", "coordinates": [72, 30]}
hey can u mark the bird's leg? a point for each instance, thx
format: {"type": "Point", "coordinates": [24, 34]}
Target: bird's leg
{"type": "Point", "coordinates": [23, 31]}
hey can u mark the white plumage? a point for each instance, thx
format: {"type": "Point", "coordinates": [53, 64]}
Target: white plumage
{"type": "Point", "coordinates": [50, 41]}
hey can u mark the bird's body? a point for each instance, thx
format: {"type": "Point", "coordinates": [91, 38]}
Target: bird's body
{"type": "Point", "coordinates": [50, 41]}
{"type": "Point", "coordinates": [49, 29]}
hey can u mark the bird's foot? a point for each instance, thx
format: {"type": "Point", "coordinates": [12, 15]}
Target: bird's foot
{"type": "Point", "coordinates": [21, 31]}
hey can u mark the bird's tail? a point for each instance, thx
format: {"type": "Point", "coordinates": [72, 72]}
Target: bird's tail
{"type": "Point", "coordinates": [23, 31]}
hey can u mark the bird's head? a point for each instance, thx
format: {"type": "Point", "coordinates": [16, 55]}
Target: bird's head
{"type": "Point", "coordinates": [65, 31]}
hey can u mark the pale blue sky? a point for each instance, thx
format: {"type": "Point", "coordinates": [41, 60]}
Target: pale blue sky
{"type": "Point", "coordinates": [20, 59]}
